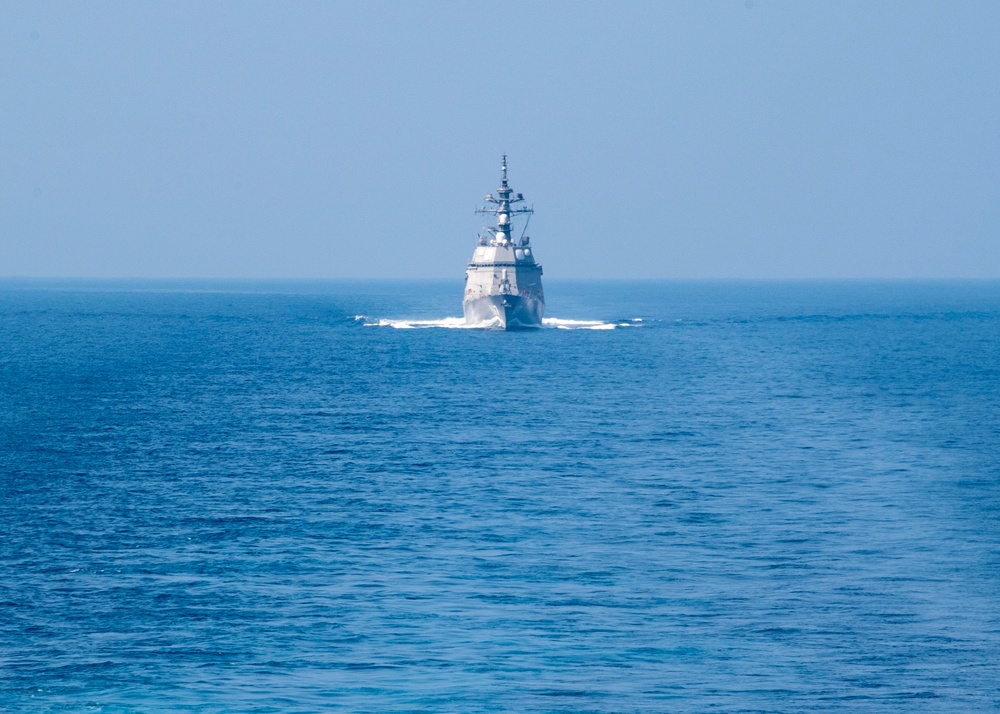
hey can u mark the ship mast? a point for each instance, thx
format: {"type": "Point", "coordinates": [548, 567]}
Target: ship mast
{"type": "Point", "coordinates": [503, 207]}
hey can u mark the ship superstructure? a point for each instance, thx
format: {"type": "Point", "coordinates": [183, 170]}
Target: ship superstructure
{"type": "Point", "coordinates": [503, 285]}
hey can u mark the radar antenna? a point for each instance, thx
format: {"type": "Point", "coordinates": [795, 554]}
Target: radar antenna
{"type": "Point", "coordinates": [503, 206]}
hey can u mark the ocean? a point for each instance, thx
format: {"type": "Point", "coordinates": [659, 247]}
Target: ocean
{"type": "Point", "coordinates": [675, 497]}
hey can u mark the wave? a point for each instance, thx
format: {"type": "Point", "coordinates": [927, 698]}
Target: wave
{"type": "Point", "coordinates": [448, 322]}
{"type": "Point", "coordinates": [459, 323]}
{"type": "Point", "coordinates": [561, 324]}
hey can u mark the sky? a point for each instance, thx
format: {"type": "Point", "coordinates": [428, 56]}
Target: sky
{"type": "Point", "coordinates": [712, 139]}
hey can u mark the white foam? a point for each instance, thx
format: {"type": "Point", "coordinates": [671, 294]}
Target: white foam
{"type": "Point", "coordinates": [561, 324]}
{"type": "Point", "coordinates": [460, 323]}
{"type": "Point", "coordinates": [446, 322]}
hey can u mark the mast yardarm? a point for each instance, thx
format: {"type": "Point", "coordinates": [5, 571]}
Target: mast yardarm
{"type": "Point", "coordinates": [503, 206]}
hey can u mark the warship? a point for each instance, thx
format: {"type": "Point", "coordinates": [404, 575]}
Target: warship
{"type": "Point", "coordinates": [503, 283]}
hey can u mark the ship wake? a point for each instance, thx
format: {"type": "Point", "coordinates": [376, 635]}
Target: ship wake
{"type": "Point", "coordinates": [459, 323]}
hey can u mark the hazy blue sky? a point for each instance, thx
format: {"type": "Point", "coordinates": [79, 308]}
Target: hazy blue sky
{"type": "Point", "coordinates": [699, 139]}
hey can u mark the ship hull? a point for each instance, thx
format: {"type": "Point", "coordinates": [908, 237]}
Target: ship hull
{"type": "Point", "coordinates": [504, 312]}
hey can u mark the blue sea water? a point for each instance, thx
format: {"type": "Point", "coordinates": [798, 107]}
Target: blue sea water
{"type": "Point", "coordinates": [735, 497]}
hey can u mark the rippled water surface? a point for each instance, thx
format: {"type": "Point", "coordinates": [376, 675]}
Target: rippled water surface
{"type": "Point", "coordinates": [731, 497]}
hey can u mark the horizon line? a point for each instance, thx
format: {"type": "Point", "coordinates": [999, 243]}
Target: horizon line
{"type": "Point", "coordinates": [384, 279]}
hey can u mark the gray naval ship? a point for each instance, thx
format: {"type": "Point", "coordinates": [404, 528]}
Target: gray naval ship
{"type": "Point", "coordinates": [503, 283]}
